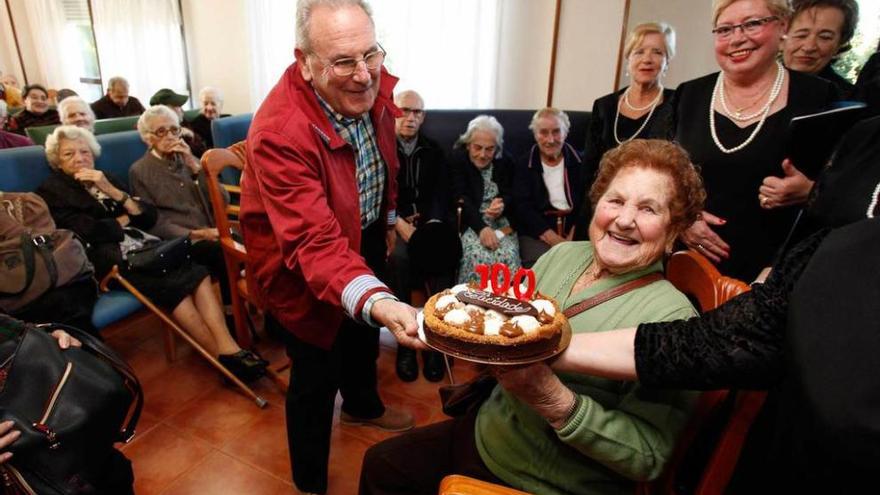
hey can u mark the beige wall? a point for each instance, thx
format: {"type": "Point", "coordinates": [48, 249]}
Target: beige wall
{"type": "Point", "coordinates": [524, 61]}
{"type": "Point", "coordinates": [218, 50]}
{"type": "Point", "coordinates": [692, 21]}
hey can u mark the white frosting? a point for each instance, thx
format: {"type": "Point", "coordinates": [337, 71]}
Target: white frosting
{"type": "Point", "coordinates": [445, 301]}
{"type": "Point", "coordinates": [491, 327]}
{"type": "Point", "coordinates": [457, 317]}
{"type": "Point", "coordinates": [527, 324]}
{"type": "Point", "coordinates": [491, 314]}
{"type": "Point", "coordinates": [459, 288]}
{"type": "Point", "coordinates": [470, 308]}
{"type": "Point", "coordinates": [545, 306]}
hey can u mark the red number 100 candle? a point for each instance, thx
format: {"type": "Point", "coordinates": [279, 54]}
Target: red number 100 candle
{"type": "Point", "coordinates": [499, 287]}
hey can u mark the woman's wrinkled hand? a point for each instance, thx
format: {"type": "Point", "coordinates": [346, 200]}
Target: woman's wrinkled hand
{"type": "Point", "coordinates": [495, 209]}
{"type": "Point", "coordinates": [539, 387]}
{"type": "Point", "coordinates": [65, 340]}
{"type": "Point", "coordinates": [99, 180]}
{"type": "Point", "coordinates": [488, 239]}
{"type": "Point", "coordinates": [701, 238]}
{"type": "Point", "coordinates": [792, 189]}
{"type": "Point", "coordinates": [7, 437]}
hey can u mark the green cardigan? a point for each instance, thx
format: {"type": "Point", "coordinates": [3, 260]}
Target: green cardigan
{"type": "Point", "coordinates": [620, 431]}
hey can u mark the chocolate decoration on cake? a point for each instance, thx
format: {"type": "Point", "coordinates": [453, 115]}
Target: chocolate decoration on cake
{"type": "Point", "coordinates": [544, 318]}
{"type": "Point", "coordinates": [502, 304]}
{"type": "Point", "coordinates": [510, 330]}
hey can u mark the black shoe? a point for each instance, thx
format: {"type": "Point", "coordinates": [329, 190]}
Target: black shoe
{"type": "Point", "coordinates": [407, 365]}
{"type": "Point", "coordinates": [434, 369]}
{"type": "Point", "coordinates": [243, 364]}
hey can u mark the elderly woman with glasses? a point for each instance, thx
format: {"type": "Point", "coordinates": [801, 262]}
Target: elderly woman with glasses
{"type": "Point", "coordinates": [99, 209]}
{"type": "Point", "coordinates": [167, 177]}
{"type": "Point", "coordinates": [734, 124]}
{"type": "Point", "coordinates": [482, 178]}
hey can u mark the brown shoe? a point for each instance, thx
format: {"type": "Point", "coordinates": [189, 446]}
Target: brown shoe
{"type": "Point", "coordinates": [394, 420]}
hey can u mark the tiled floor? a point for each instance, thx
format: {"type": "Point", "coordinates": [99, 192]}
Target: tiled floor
{"type": "Point", "coordinates": [198, 435]}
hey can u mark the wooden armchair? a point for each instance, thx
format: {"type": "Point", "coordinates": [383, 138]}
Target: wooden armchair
{"type": "Point", "coordinates": [214, 161]}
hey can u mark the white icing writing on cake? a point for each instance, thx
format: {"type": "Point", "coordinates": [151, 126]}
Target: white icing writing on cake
{"type": "Point", "coordinates": [498, 303]}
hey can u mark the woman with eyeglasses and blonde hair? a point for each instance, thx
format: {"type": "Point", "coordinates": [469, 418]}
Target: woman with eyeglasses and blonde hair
{"type": "Point", "coordinates": [641, 109]}
{"type": "Point", "coordinates": [734, 124]}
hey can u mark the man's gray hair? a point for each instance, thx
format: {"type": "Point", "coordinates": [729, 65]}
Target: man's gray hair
{"type": "Point", "coordinates": [149, 114]}
{"type": "Point", "coordinates": [304, 10]}
{"type": "Point", "coordinates": [564, 121]}
{"type": "Point", "coordinates": [218, 95]}
{"type": "Point", "coordinates": [409, 92]}
{"type": "Point", "coordinates": [117, 80]}
{"type": "Point", "coordinates": [72, 133]}
{"type": "Point", "coordinates": [74, 100]}
{"type": "Point", "coordinates": [483, 123]}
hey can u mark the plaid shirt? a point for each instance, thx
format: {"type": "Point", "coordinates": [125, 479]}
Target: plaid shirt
{"type": "Point", "coordinates": [370, 167]}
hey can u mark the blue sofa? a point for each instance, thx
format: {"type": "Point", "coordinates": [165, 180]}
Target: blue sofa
{"type": "Point", "coordinates": [24, 169]}
{"type": "Point", "coordinates": [444, 126]}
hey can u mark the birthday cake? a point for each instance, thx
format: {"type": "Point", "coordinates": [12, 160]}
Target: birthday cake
{"type": "Point", "coordinates": [482, 324]}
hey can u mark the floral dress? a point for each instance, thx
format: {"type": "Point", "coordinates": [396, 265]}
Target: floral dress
{"type": "Point", "coordinates": [474, 252]}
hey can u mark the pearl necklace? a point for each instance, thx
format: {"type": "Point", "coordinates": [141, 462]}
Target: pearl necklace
{"type": "Point", "coordinates": [625, 99]}
{"type": "Point", "coordinates": [873, 205]}
{"type": "Point", "coordinates": [737, 114]}
{"type": "Point", "coordinates": [764, 112]}
{"type": "Point", "coordinates": [653, 102]}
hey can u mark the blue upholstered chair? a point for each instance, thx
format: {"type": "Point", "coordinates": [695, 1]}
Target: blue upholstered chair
{"type": "Point", "coordinates": [227, 131]}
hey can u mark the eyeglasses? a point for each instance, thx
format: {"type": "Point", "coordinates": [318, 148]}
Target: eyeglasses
{"type": "Point", "coordinates": [750, 27]}
{"type": "Point", "coordinates": [416, 112]}
{"type": "Point", "coordinates": [345, 67]}
{"type": "Point", "coordinates": [162, 131]}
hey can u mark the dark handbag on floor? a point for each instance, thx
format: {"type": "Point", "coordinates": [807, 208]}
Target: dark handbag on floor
{"type": "Point", "coordinates": [460, 398]}
{"type": "Point", "coordinates": [160, 257]}
{"type": "Point", "coordinates": [70, 406]}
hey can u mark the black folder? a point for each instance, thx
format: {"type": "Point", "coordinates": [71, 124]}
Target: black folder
{"type": "Point", "coordinates": [813, 138]}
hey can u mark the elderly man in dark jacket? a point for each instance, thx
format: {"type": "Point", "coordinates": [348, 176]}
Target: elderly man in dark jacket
{"type": "Point", "coordinates": [548, 187]}
{"type": "Point", "coordinates": [422, 197]}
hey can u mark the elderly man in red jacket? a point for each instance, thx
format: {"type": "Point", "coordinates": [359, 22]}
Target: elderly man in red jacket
{"type": "Point", "coordinates": [317, 214]}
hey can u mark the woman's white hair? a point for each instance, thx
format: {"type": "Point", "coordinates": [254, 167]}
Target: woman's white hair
{"type": "Point", "coordinates": [71, 133]}
{"type": "Point", "coordinates": [483, 123]}
{"type": "Point", "coordinates": [211, 90]}
{"type": "Point", "coordinates": [564, 121]}
{"type": "Point", "coordinates": [74, 100]}
{"type": "Point", "coordinates": [149, 114]}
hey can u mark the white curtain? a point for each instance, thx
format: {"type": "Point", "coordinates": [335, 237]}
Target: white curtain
{"type": "Point", "coordinates": [271, 31]}
{"type": "Point", "coordinates": [447, 50]}
{"type": "Point", "coordinates": [57, 45]}
{"type": "Point", "coordinates": [140, 40]}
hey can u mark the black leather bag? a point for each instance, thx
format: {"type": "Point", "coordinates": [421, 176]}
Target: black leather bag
{"type": "Point", "coordinates": [70, 406]}
{"type": "Point", "coordinates": [458, 399]}
{"type": "Point", "coordinates": [160, 257]}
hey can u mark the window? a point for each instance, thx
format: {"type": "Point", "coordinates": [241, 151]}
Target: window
{"type": "Point", "coordinates": [864, 43]}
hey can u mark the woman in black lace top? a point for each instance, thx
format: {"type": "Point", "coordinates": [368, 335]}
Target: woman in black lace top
{"type": "Point", "coordinates": [811, 331]}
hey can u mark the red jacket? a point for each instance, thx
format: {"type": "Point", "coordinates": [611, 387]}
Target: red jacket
{"type": "Point", "coordinates": [300, 215]}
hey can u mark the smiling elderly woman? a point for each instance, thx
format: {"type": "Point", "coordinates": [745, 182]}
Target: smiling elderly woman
{"type": "Point", "coordinates": [111, 223]}
{"type": "Point", "coordinates": [552, 434]}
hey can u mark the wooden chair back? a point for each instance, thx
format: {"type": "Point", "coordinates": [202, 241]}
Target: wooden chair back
{"type": "Point", "coordinates": [214, 161]}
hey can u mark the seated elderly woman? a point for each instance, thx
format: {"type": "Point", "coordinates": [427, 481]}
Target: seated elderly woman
{"type": "Point", "coordinates": [571, 433]}
{"type": "Point", "coordinates": [166, 178]}
{"type": "Point", "coordinates": [9, 139]}
{"type": "Point", "coordinates": [100, 211]}
{"type": "Point", "coordinates": [548, 186]}
{"type": "Point", "coordinates": [820, 31]}
{"type": "Point", "coordinates": [809, 334]}
{"type": "Point", "coordinates": [175, 101]}
{"type": "Point", "coordinates": [211, 100]}
{"type": "Point", "coordinates": [36, 110]}
{"type": "Point", "coordinates": [481, 182]}
{"type": "Point", "coordinates": [73, 110]}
